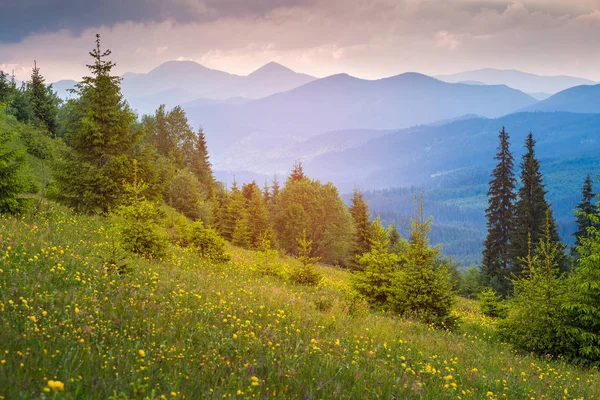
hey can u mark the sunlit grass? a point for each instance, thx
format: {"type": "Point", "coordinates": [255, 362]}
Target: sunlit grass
{"type": "Point", "coordinates": [71, 326]}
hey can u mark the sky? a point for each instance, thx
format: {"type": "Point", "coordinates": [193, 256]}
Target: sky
{"type": "Point", "coordinates": [365, 38]}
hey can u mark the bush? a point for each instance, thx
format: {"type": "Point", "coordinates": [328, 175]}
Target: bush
{"type": "Point", "coordinates": [208, 243]}
{"type": "Point", "coordinates": [490, 304]}
{"type": "Point", "coordinates": [140, 231]}
{"type": "Point", "coordinates": [305, 274]}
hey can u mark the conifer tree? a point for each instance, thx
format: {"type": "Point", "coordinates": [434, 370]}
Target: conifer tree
{"type": "Point", "coordinates": [363, 235]}
{"type": "Point", "coordinates": [258, 216]}
{"type": "Point", "coordinates": [234, 212]}
{"type": "Point", "coordinates": [500, 217]}
{"type": "Point", "coordinates": [373, 280]}
{"type": "Point", "coordinates": [584, 210]}
{"type": "Point", "coordinates": [297, 173]}
{"type": "Point", "coordinates": [418, 288]}
{"type": "Point", "coordinates": [100, 136]}
{"type": "Point", "coordinates": [584, 304]}
{"type": "Point", "coordinates": [43, 101]}
{"type": "Point", "coordinates": [12, 184]}
{"type": "Point", "coordinates": [242, 235]}
{"type": "Point", "coordinates": [530, 210]}
{"type": "Point", "coordinates": [393, 236]}
{"type": "Point", "coordinates": [536, 320]}
{"type": "Point", "coordinates": [200, 163]}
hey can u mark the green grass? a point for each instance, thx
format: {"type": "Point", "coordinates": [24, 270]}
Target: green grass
{"type": "Point", "coordinates": [184, 328]}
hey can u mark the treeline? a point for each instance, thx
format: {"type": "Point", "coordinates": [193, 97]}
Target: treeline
{"type": "Point", "coordinates": [553, 295]}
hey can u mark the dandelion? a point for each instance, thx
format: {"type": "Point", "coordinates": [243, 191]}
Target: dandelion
{"type": "Point", "coordinates": [142, 353]}
{"type": "Point", "coordinates": [56, 385]}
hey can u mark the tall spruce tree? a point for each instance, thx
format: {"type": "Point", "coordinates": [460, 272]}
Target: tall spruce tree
{"type": "Point", "coordinates": [200, 163]}
{"type": "Point", "coordinates": [100, 136]}
{"type": "Point", "coordinates": [363, 235]}
{"type": "Point", "coordinates": [500, 217]}
{"type": "Point", "coordinates": [530, 211]}
{"type": "Point", "coordinates": [583, 210]}
{"type": "Point", "coordinates": [43, 101]}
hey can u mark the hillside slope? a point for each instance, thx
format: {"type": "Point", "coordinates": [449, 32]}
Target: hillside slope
{"type": "Point", "coordinates": [185, 328]}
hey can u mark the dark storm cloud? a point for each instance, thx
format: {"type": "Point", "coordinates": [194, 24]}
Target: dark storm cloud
{"type": "Point", "coordinates": [21, 18]}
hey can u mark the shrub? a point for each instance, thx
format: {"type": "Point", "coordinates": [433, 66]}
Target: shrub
{"type": "Point", "coordinates": [208, 243]}
{"type": "Point", "coordinates": [490, 304]}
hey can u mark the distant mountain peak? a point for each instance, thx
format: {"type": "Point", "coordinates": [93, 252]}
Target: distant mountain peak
{"type": "Point", "coordinates": [272, 68]}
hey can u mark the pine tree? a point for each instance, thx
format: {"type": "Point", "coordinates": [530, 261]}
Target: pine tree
{"type": "Point", "coordinates": [200, 163]}
{"type": "Point", "coordinates": [242, 235]}
{"type": "Point", "coordinates": [583, 210]}
{"type": "Point", "coordinates": [12, 184]}
{"type": "Point", "coordinates": [258, 216]}
{"type": "Point", "coordinates": [363, 228]}
{"type": "Point", "coordinates": [500, 217]}
{"type": "Point", "coordinates": [373, 280]}
{"type": "Point", "coordinates": [43, 101]}
{"type": "Point", "coordinates": [536, 320]}
{"type": "Point", "coordinates": [584, 304]}
{"type": "Point", "coordinates": [530, 210]}
{"type": "Point", "coordinates": [418, 288]}
{"type": "Point", "coordinates": [100, 136]}
{"type": "Point", "coordinates": [297, 173]}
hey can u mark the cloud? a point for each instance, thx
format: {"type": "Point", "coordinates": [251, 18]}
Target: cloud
{"type": "Point", "coordinates": [367, 38]}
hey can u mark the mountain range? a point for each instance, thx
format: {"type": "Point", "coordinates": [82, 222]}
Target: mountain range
{"type": "Point", "coordinates": [342, 102]}
{"type": "Point", "coordinates": [537, 85]}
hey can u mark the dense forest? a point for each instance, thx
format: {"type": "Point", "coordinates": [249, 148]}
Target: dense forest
{"type": "Point", "coordinates": [150, 178]}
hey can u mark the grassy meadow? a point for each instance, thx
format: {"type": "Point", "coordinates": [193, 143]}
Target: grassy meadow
{"type": "Point", "coordinates": [80, 319]}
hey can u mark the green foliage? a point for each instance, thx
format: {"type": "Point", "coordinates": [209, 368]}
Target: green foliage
{"type": "Point", "coordinates": [305, 273]}
{"type": "Point", "coordinates": [490, 304]}
{"type": "Point", "coordinates": [419, 289]}
{"type": "Point", "coordinates": [584, 209]}
{"type": "Point", "coordinates": [537, 319]}
{"type": "Point", "coordinates": [100, 135]}
{"type": "Point", "coordinates": [184, 193]}
{"type": "Point", "coordinates": [139, 226]}
{"type": "Point", "coordinates": [44, 101]}
{"type": "Point", "coordinates": [531, 211]}
{"type": "Point", "coordinates": [500, 217]}
{"type": "Point", "coordinates": [307, 205]}
{"type": "Point", "coordinates": [12, 163]}
{"type": "Point", "coordinates": [266, 259]}
{"type": "Point", "coordinates": [373, 280]}
{"type": "Point", "coordinates": [584, 303]}
{"type": "Point", "coordinates": [242, 236]}
{"type": "Point", "coordinates": [208, 243]}
{"type": "Point", "coordinates": [363, 229]}
{"type": "Point", "coordinates": [471, 282]}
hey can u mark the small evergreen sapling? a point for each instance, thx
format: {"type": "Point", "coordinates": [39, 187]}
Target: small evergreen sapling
{"type": "Point", "coordinates": [306, 273]}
